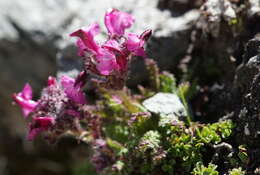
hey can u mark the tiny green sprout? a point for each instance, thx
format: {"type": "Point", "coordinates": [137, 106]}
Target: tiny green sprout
{"type": "Point", "coordinates": [236, 171]}
{"type": "Point", "coordinates": [200, 169]}
{"type": "Point", "coordinates": [242, 154]}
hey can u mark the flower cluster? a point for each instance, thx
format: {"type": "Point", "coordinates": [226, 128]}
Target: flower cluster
{"type": "Point", "coordinates": [60, 106]}
{"type": "Point", "coordinates": [110, 59]}
{"type": "Point", "coordinates": [56, 110]}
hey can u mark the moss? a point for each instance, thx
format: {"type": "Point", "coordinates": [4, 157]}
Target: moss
{"type": "Point", "coordinates": [236, 171]}
{"type": "Point", "coordinates": [200, 169]}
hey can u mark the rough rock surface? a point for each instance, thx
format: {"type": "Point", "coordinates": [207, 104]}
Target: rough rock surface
{"type": "Point", "coordinates": [248, 76]}
{"type": "Point", "coordinates": [165, 104]}
{"type": "Point", "coordinates": [168, 106]}
{"type": "Point", "coordinates": [247, 104]}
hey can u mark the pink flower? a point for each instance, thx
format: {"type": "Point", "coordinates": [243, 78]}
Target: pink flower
{"type": "Point", "coordinates": [120, 52]}
{"type": "Point", "coordinates": [111, 59]}
{"type": "Point", "coordinates": [86, 40]}
{"type": "Point", "coordinates": [24, 100]}
{"type": "Point", "coordinates": [112, 45]}
{"type": "Point", "coordinates": [135, 43]}
{"type": "Point", "coordinates": [51, 81]}
{"type": "Point", "coordinates": [116, 22]}
{"type": "Point", "coordinates": [106, 62]}
{"type": "Point", "coordinates": [73, 92]}
{"type": "Point", "coordinates": [57, 107]}
{"type": "Point", "coordinates": [38, 125]}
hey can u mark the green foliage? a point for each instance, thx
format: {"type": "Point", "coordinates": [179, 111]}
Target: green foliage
{"type": "Point", "coordinates": [242, 154]}
{"type": "Point", "coordinates": [200, 169]}
{"type": "Point", "coordinates": [155, 144]}
{"type": "Point", "coordinates": [184, 146]}
{"type": "Point", "coordinates": [236, 171]}
{"type": "Point", "coordinates": [186, 143]}
{"type": "Point", "coordinates": [150, 142]}
{"type": "Point", "coordinates": [214, 133]}
{"type": "Point", "coordinates": [167, 83]}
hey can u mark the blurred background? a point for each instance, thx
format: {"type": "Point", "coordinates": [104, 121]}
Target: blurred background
{"type": "Point", "coordinates": [34, 44]}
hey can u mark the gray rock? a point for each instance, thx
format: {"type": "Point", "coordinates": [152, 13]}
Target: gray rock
{"type": "Point", "coordinates": [254, 62]}
{"type": "Point", "coordinates": [167, 105]}
{"type": "Point", "coordinates": [247, 95]}
{"type": "Point", "coordinates": [254, 7]}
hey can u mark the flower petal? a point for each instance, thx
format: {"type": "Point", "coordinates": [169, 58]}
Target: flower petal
{"type": "Point", "coordinates": [86, 40]}
{"type": "Point", "coordinates": [135, 43]}
{"type": "Point", "coordinates": [120, 53]}
{"type": "Point", "coordinates": [106, 62]}
{"type": "Point", "coordinates": [38, 125]}
{"type": "Point", "coordinates": [51, 81]}
{"type": "Point", "coordinates": [112, 45]}
{"type": "Point", "coordinates": [73, 92]}
{"type": "Point", "coordinates": [27, 92]}
{"type": "Point", "coordinates": [23, 99]}
{"type": "Point", "coordinates": [116, 21]}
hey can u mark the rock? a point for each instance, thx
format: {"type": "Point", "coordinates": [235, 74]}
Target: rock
{"type": "Point", "coordinates": [254, 7]}
{"type": "Point", "coordinates": [179, 7]}
{"type": "Point", "coordinates": [167, 105]}
{"type": "Point", "coordinates": [215, 11]}
{"type": "Point", "coordinates": [247, 94]}
{"type": "Point", "coordinates": [254, 62]}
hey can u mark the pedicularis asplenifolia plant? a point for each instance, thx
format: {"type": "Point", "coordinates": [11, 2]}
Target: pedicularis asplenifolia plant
{"type": "Point", "coordinates": [125, 138]}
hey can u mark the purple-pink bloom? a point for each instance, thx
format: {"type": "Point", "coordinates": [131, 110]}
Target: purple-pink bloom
{"type": "Point", "coordinates": [116, 22]}
{"type": "Point", "coordinates": [112, 45]}
{"type": "Point", "coordinates": [111, 59]}
{"type": "Point", "coordinates": [135, 43]}
{"type": "Point", "coordinates": [58, 107]}
{"type": "Point", "coordinates": [51, 81]}
{"type": "Point", "coordinates": [106, 62]}
{"type": "Point", "coordinates": [24, 100]}
{"type": "Point", "coordinates": [38, 125]}
{"type": "Point", "coordinates": [120, 52]}
{"type": "Point", "coordinates": [73, 92]}
{"type": "Point", "coordinates": [86, 40]}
